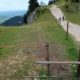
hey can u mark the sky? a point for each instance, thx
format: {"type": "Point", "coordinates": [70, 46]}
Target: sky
{"type": "Point", "coordinates": [10, 5]}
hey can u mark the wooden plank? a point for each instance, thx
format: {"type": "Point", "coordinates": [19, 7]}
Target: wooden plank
{"type": "Point", "coordinates": [58, 62]}
{"type": "Point", "coordinates": [39, 76]}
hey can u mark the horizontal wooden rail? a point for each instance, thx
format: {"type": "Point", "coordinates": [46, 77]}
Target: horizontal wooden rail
{"type": "Point", "coordinates": [58, 62]}
{"type": "Point", "coordinates": [39, 76]}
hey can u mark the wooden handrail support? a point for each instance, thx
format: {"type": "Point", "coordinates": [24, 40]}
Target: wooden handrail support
{"type": "Point", "coordinates": [39, 76]}
{"type": "Point", "coordinates": [58, 62]}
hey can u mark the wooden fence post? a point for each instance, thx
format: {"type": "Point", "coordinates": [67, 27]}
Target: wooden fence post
{"type": "Point", "coordinates": [47, 59]}
{"type": "Point", "coordinates": [67, 31]}
{"type": "Point", "coordinates": [78, 67]}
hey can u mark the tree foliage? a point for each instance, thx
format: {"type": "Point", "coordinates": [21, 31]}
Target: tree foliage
{"type": "Point", "coordinates": [33, 4]}
{"type": "Point", "coordinates": [75, 1]}
{"type": "Point", "coordinates": [51, 2]}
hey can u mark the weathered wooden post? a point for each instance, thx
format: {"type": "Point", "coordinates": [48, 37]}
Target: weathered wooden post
{"type": "Point", "coordinates": [47, 59]}
{"type": "Point", "coordinates": [78, 67]}
{"type": "Point", "coordinates": [67, 31]}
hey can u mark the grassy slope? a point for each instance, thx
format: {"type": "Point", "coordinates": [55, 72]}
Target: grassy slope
{"type": "Point", "coordinates": [44, 29]}
{"type": "Point", "coordinates": [70, 16]}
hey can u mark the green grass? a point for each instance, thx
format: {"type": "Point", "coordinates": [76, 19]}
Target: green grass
{"type": "Point", "coordinates": [59, 2]}
{"type": "Point", "coordinates": [73, 17]}
{"type": "Point", "coordinates": [45, 28]}
{"type": "Point", "coordinates": [72, 14]}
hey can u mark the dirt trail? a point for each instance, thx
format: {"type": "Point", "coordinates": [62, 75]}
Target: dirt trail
{"type": "Point", "coordinates": [74, 29]}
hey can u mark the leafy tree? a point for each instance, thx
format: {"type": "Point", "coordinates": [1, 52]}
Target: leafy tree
{"type": "Point", "coordinates": [75, 1]}
{"type": "Point", "coordinates": [33, 4]}
{"type": "Point", "coordinates": [25, 17]}
{"type": "Point", "coordinates": [51, 2]}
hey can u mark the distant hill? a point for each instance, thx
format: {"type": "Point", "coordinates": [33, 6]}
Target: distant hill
{"type": "Point", "coordinates": [14, 21]}
{"type": "Point", "coordinates": [5, 15]}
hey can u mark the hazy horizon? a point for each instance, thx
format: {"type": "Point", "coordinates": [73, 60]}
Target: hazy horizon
{"type": "Point", "coordinates": [15, 12]}
{"type": "Point", "coordinates": [10, 14]}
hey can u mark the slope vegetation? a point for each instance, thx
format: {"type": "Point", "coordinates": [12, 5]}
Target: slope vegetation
{"type": "Point", "coordinates": [72, 13]}
{"type": "Point", "coordinates": [20, 45]}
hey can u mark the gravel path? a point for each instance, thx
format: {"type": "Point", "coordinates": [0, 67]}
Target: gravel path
{"type": "Point", "coordinates": [74, 29]}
